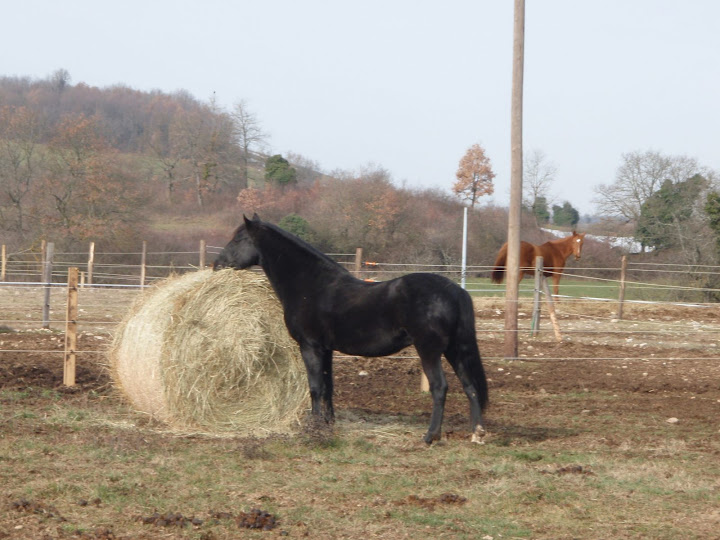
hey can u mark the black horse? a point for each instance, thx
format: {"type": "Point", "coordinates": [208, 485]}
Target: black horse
{"type": "Point", "coordinates": [327, 309]}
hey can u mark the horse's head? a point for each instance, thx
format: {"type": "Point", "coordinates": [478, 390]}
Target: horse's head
{"type": "Point", "coordinates": [577, 244]}
{"type": "Point", "coordinates": [240, 252]}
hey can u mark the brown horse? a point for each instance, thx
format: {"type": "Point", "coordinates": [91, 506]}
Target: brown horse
{"type": "Point", "coordinates": [554, 254]}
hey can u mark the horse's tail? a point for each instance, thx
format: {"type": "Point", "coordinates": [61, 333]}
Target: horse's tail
{"type": "Point", "coordinates": [498, 273]}
{"type": "Point", "coordinates": [468, 354]}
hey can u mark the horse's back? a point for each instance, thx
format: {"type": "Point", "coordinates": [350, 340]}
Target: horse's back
{"type": "Point", "coordinates": [432, 299]}
{"type": "Point", "coordinates": [552, 258]}
{"type": "Point", "coordinates": [528, 253]}
{"type": "Point", "coordinates": [421, 285]}
{"type": "Point", "coordinates": [377, 319]}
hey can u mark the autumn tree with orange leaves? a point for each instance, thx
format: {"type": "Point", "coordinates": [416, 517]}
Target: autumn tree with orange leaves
{"type": "Point", "coordinates": [87, 193]}
{"type": "Point", "coordinates": [474, 175]}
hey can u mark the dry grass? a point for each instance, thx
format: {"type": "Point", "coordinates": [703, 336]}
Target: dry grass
{"type": "Point", "coordinates": [374, 480]}
{"type": "Point", "coordinates": [579, 447]}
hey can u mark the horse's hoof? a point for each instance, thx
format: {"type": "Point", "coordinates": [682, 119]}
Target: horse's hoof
{"type": "Point", "coordinates": [430, 438]}
{"type": "Point", "coordinates": [317, 432]}
{"type": "Point", "coordinates": [317, 425]}
{"type": "Point", "coordinates": [478, 435]}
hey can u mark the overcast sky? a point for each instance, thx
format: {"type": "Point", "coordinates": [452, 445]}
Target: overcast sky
{"type": "Point", "coordinates": [408, 85]}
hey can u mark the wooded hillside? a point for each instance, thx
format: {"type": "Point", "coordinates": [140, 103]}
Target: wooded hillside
{"type": "Point", "coordinates": [112, 165]}
{"type": "Point", "coordinates": [117, 165]}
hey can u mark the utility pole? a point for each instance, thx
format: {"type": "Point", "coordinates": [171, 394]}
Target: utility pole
{"type": "Point", "coordinates": [463, 271]}
{"type": "Point", "coordinates": [516, 158]}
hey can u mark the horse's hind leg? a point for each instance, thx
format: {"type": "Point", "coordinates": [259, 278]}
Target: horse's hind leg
{"type": "Point", "coordinates": [459, 356]}
{"type": "Point", "coordinates": [431, 364]}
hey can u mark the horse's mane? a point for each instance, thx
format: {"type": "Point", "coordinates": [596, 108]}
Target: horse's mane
{"type": "Point", "coordinates": [303, 246]}
{"type": "Point", "coordinates": [563, 241]}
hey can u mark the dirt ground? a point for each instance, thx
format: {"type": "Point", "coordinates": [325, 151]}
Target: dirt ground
{"type": "Point", "coordinates": [658, 363]}
{"type": "Point", "coordinates": [669, 351]}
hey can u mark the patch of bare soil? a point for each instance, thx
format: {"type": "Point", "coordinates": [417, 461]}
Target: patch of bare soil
{"type": "Point", "coordinates": [668, 364]}
{"type": "Point", "coordinates": [431, 504]}
{"type": "Point", "coordinates": [35, 360]}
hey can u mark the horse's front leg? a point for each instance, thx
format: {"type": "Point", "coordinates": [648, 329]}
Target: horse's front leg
{"type": "Point", "coordinates": [556, 283]}
{"type": "Point", "coordinates": [438, 389]}
{"type": "Point", "coordinates": [318, 365]}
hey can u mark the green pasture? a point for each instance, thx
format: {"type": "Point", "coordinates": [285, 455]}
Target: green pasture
{"type": "Point", "coordinates": [596, 288]}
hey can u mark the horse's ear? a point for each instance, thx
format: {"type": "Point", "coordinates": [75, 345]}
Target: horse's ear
{"type": "Point", "coordinates": [246, 220]}
{"type": "Point", "coordinates": [255, 218]}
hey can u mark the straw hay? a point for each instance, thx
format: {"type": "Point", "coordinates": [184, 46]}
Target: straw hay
{"type": "Point", "coordinates": [209, 351]}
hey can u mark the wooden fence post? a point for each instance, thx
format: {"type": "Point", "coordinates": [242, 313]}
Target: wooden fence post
{"type": "Point", "coordinates": [621, 298]}
{"type": "Point", "coordinates": [90, 264]}
{"type": "Point", "coordinates": [535, 321]}
{"type": "Point", "coordinates": [71, 328]}
{"type": "Point", "coordinates": [143, 261]}
{"type": "Point", "coordinates": [3, 271]}
{"type": "Point", "coordinates": [202, 255]}
{"type": "Point", "coordinates": [358, 262]}
{"type": "Point", "coordinates": [47, 279]}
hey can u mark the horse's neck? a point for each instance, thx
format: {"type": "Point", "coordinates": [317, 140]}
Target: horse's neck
{"type": "Point", "coordinates": [564, 247]}
{"type": "Point", "coordinates": [298, 272]}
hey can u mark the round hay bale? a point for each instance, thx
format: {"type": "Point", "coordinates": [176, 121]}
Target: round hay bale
{"type": "Point", "coordinates": [209, 351]}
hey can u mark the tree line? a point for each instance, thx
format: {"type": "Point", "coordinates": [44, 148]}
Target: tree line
{"type": "Point", "coordinates": [100, 163]}
{"type": "Point", "coordinates": [475, 179]}
{"type": "Point", "coordinates": [80, 163]}
{"type": "Point", "coordinates": [669, 201]}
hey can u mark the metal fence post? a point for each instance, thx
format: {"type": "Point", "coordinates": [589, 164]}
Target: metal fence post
{"type": "Point", "coordinates": [47, 280]}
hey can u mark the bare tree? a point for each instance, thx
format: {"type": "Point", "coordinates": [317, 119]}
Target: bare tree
{"type": "Point", "coordinates": [474, 175]}
{"type": "Point", "coordinates": [307, 170]}
{"type": "Point", "coordinates": [60, 80]}
{"type": "Point", "coordinates": [639, 176]}
{"type": "Point", "coordinates": [202, 139]}
{"type": "Point", "coordinates": [169, 161]}
{"type": "Point", "coordinates": [20, 161]}
{"type": "Point", "coordinates": [247, 133]}
{"type": "Point", "coordinates": [538, 176]}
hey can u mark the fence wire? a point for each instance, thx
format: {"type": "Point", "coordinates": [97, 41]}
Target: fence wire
{"type": "Point", "coordinates": [588, 317]}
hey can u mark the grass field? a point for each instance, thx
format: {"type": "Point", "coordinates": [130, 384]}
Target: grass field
{"type": "Point", "coordinates": [83, 466]}
{"type": "Point", "coordinates": [596, 289]}
{"type": "Point", "coordinates": [594, 437]}
{"type": "Point", "coordinates": [611, 433]}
